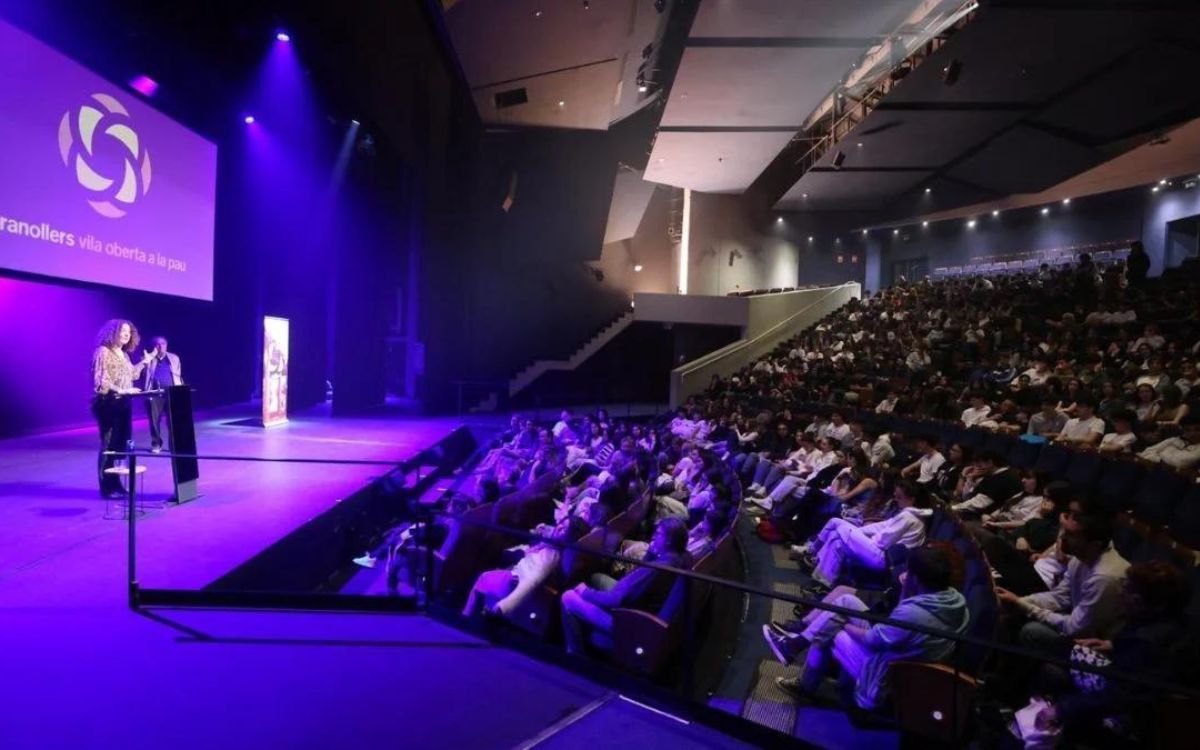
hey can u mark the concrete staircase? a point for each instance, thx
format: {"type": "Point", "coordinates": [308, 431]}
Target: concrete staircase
{"type": "Point", "coordinates": [537, 368]}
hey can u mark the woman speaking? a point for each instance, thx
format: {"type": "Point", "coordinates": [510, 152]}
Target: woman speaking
{"type": "Point", "coordinates": [112, 382]}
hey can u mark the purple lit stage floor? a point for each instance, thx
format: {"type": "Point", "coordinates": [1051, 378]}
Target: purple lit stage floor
{"type": "Point", "coordinates": [50, 511]}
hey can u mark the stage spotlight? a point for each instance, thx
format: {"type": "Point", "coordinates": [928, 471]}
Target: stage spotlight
{"type": "Point", "coordinates": [971, 224]}
{"type": "Point", "coordinates": [248, 119]}
{"type": "Point", "coordinates": [838, 159]}
{"type": "Point", "coordinates": [1045, 211]}
{"type": "Point", "coordinates": [928, 190]}
{"type": "Point", "coordinates": [637, 268]}
{"type": "Point", "coordinates": [951, 72]}
{"type": "Point", "coordinates": [895, 232]}
{"type": "Point", "coordinates": [283, 36]}
{"type": "Point", "coordinates": [810, 238]}
{"type": "Point", "coordinates": [562, 103]}
{"type": "Point", "coordinates": [995, 212]}
{"type": "Point", "coordinates": [924, 223]}
{"type": "Point", "coordinates": [355, 122]}
{"type": "Point", "coordinates": [865, 232]}
{"type": "Point", "coordinates": [1162, 182]}
{"type": "Point", "coordinates": [144, 85]}
{"type": "Point", "coordinates": [1154, 189]}
{"type": "Point", "coordinates": [778, 219]}
{"type": "Point", "coordinates": [1066, 201]}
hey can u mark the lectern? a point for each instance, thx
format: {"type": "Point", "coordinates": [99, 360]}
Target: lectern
{"type": "Point", "coordinates": [181, 439]}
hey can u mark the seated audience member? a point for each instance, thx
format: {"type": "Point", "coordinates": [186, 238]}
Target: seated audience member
{"type": "Point", "coordinates": [1039, 373]}
{"type": "Point", "coordinates": [840, 542]}
{"type": "Point", "coordinates": [978, 411]}
{"type": "Point", "coordinates": [702, 538]}
{"type": "Point", "coordinates": [1019, 508]}
{"type": "Point", "coordinates": [1009, 550]}
{"type": "Point", "coordinates": [1121, 439]}
{"type": "Point", "coordinates": [1086, 602]}
{"type": "Point", "coordinates": [887, 404]}
{"type": "Point", "coordinates": [1048, 422]}
{"type": "Point", "coordinates": [881, 451]}
{"type": "Point", "coordinates": [925, 468]}
{"type": "Point", "coordinates": [794, 479]}
{"type": "Point", "coordinates": [499, 592]}
{"type": "Point", "coordinates": [1181, 452]}
{"type": "Point", "coordinates": [1169, 409]}
{"type": "Point", "coordinates": [1156, 642]}
{"type": "Point", "coordinates": [768, 473]}
{"type": "Point", "coordinates": [997, 483]}
{"type": "Point", "coordinates": [864, 651]}
{"type": "Point", "coordinates": [585, 608]}
{"type": "Point", "coordinates": [1083, 430]}
{"type": "Point", "coordinates": [948, 480]}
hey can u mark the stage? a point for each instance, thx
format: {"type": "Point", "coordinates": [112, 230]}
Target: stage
{"type": "Point", "coordinates": [52, 517]}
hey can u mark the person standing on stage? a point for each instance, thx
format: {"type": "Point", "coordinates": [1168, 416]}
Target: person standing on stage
{"type": "Point", "coordinates": [164, 371]}
{"type": "Point", "coordinates": [112, 382]}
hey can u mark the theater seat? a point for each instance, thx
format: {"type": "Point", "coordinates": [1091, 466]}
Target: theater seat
{"type": "Point", "coordinates": [456, 564]}
{"type": "Point", "coordinates": [932, 701]}
{"type": "Point", "coordinates": [1053, 461]}
{"type": "Point", "coordinates": [1118, 482]}
{"type": "Point", "coordinates": [1024, 455]}
{"type": "Point", "coordinates": [1185, 521]}
{"type": "Point", "coordinates": [1083, 470]}
{"type": "Point", "coordinates": [1157, 495]}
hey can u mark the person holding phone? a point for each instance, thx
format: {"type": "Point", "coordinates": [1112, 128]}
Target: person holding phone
{"type": "Point", "coordinates": [113, 374]}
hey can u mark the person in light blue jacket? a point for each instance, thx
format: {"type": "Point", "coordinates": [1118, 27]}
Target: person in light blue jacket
{"type": "Point", "coordinates": [864, 651]}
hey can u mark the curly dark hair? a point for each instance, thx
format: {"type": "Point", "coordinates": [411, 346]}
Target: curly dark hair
{"type": "Point", "coordinates": [110, 332]}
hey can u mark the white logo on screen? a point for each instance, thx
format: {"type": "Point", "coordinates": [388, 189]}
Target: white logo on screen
{"type": "Point", "coordinates": [103, 126]}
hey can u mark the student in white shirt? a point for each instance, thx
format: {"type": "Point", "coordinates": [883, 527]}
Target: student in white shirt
{"type": "Point", "coordinates": [1121, 439]}
{"type": "Point", "coordinates": [977, 412]}
{"type": "Point", "coordinates": [1085, 430]}
{"type": "Point", "coordinates": [1178, 452]}
{"type": "Point", "coordinates": [925, 468]}
{"type": "Point", "coordinates": [837, 430]}
{"type": "Point", "coordinates": [1039, 373]}
{"type": "Point", "coordinates": [887, 404]}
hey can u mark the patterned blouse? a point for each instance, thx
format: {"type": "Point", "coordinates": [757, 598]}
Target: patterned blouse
{"type": "Point", "coordinates": [112, 372]}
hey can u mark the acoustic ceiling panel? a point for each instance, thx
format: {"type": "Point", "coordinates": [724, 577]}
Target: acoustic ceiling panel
{"type": "Point", "coordinates": [1025, 160]}
{"type": "Point", "coordinates": [913, 138]}
{"type": "Point", "coordinates": [753, 86]}
{"type": "Point", "coordinates": [719, 162]}
{"type": "Point", "coordinates": [580, 98]}
{"type": "Point", "coordinates": [799, 18]}
{"type": "Point", "coordinates": [843, 190]}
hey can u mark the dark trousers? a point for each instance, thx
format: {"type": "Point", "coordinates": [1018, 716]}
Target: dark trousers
{"type": "Point", "coordinates": [114, 418]}
{"type": "Point", "coordinates": [1017, 573]}
{"type": "Point", "coordinates": [156, 407]}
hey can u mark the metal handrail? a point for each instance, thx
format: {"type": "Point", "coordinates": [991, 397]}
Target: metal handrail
{"type": "Point", "coordinates": [872, 618]}
{"type": "Point", "coordinates": [719, 354]}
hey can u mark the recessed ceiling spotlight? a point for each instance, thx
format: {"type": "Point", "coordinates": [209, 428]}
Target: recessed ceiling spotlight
{"type": "Point", "coordinates": [1162, 182]}
{"type": "Point", "coordinates": [895, 232]}
{"type": "Point", "coordinates": [1045, 210]}
{"type": "Point", "coordinates": [995, 212]}
{"type": "Point", "coordinates": [928, 191]}
{"type": "Point", "coordinates": [1154, 189]}
{"type": "Point", "coordinates": [537, 14]}
{"type": "Point", "coordinates": [778, 219]}
{"type": "Point", "coordinates": [1066, 201]}
{"type": "Point", "coordinates": [971, 224]}
{"type": "Point", "coordinates": [283, 36]}
{"type": "Point", "coordinates": [248, 119]}
{"type": "Point", "coordinates": [864, 231]}
{"type": "Point", "coordinates": [637, 268]}
{"type": "Point", "coordinates": [804, 195]}
{"type": "Point", "coordinates": [924, 223]}
{"type": "Point", "coordinates": [562, 103]}
{"type": "Point", "coordinates": [810, 238]}
{"type": "Point", "coordinates": [643, 88]}
{"type": "Point", "coordinates": [860, 144]}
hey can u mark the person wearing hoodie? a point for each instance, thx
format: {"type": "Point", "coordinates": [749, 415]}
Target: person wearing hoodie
{"type": "Point", "coordinates": [841, 542]}
{"type": "Point", "coordinates": [864, 651]}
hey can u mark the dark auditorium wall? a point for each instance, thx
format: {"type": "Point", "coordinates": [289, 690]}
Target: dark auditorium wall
{"type": "Point", "coordinates": [1136, 213]}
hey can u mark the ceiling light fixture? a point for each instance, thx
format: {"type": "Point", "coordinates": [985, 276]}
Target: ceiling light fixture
{"type": "Point", "coordinates": [1066, 201]}
{"type": "Point", "coordinates": [1045, 210]}
{"type": "Point", "coordinates": [970, 224]}
{"type": "Point", "coordinates": [995, 212]}
{"type": "Point", "coordinates": [637, 268]}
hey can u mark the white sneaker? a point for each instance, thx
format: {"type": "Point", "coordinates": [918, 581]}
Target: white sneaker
{"type": "Point", "coordinates": [762, 502]}
{"type": "Point", "coordinates": [754, 489]}
{"type": "Point", "coordinates": [800, 549]}
{"type": "Point", "coordinates": [366, 560]}
{"type": "Point", "coordinates": [761, 492]}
